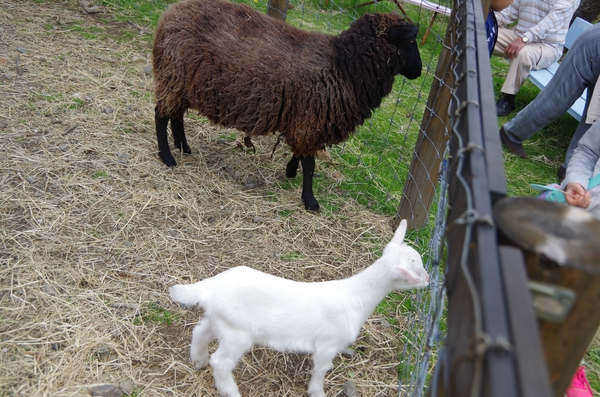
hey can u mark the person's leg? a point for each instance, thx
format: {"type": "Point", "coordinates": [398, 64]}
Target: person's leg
{"type": "Point", "coordinates": [579, 70]}
{"type": "Point", "coordinates": [532, 56]}
{"type": "Point", "coordinates": [505, 36]}
{"type": "Point", "coordinates": [506, 102]}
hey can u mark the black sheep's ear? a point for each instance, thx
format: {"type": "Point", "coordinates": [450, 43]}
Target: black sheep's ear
{"type": "Point", "coordinates": [402, 32]}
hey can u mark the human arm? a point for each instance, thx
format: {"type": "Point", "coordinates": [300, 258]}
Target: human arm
{"type": "Point", "coordinates": [581, 168]}
{"type": "Point", "coordinates": [508, 14]}
{"type": "Point", "coordinates": [513, 48]}
{"type": "Point", "coordinates": [577, 196]}
{"type": "Point", "coordinates": [499, 5]}
{"type": "Point", "coordinates": [556, 20]}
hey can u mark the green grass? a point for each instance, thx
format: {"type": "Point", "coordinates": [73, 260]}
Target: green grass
{"type": "Point", "coordinates": [100, 174]}
{"type": "Point", "coordinates": [154, 314]}
{"type": "Point", "coordinates": [292, 256]}
{"type": "Point", "coordinates": [592, 363]}
{"type": "Point", "coordinates": [144, 13]}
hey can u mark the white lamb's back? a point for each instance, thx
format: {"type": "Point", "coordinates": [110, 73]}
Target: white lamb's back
{"type": "Point", "coordinates": [277, 312]}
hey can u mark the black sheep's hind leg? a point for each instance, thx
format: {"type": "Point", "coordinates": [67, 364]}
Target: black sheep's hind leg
{"type": "Point", "coordinates": [308, 170]}
{"type": "Point", "coordinates": [162, 138]}
{"type": "Point", "coordinates": [292, 167]}
{"type": "Point", "coordinates": [179, 135]}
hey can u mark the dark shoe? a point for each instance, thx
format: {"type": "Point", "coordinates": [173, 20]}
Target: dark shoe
{"type": "Point", "coordinates": [561, 173]}
{"type": "Point", "coordinates": [504, 107]}
{"type": "Point", "coordinates": [513, 147]}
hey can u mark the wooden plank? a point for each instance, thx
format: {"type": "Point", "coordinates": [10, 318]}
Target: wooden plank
{"type": "Point", "coordinates": [578, 107]}
{"type": "Point", "coordinates": [540, 78]}
{"type": "Point", "coordinates": [423, 174]}
{"type": "Point", "coordinates": [565, 343]}
{"type": "Point", "coordinates": [277, 9]}
{"type": "Point", "coordinates": [576, 28]}
{"type": "Point", "coordinates": [561, 245]}
{"type": "Point", "coordinates": [527, 346]}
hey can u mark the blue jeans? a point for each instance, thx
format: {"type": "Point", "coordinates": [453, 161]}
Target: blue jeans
{"type": "Point", "coordinates": [579, 70]}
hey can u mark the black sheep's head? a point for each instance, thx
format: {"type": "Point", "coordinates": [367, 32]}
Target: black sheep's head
{"type": "Point", "coordinates": [404, 38]}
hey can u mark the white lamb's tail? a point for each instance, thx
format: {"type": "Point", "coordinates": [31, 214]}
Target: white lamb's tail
{"type": "Point", "coordinates": [187, 295]}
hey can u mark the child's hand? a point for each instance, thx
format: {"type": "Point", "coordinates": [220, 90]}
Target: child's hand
{"type": "Point", "coordinates": [577, 196]}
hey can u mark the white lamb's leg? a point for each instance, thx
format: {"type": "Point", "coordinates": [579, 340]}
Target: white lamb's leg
{"type": "Point", "coordinates": [224, 360]}
{"type": "Point", "coordinates": [322, 362]}
{"type": "Point", "coordinates": [201, 338]}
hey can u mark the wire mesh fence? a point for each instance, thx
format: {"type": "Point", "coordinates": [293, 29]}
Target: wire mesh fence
{"type": "Point", "coordinates": [385, 148]}
{"type": "Point", "coordinates": [384, 151]}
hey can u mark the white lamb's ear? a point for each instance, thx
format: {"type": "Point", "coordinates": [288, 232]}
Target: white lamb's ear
{"type": "Point", "coordinates": [407, 274]}
{"type": "Point", "coordinates": [400, 233]}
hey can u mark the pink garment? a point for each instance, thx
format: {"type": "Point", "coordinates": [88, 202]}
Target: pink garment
{"type": "Point", "coordinates": [580, 387]}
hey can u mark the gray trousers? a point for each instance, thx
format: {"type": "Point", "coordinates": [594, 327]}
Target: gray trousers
{"type": "Point", "coordinates": [579, 70]}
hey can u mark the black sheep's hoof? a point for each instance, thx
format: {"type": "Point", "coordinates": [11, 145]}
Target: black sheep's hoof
{"type": "Point", "coordinates": [184, 148]}
{"type": "Point", "coordinates": [311, 204]}
{"type": "Point", "coordinates": [290, 172]}
{"type": "Point", "coordinates": [168, 160]}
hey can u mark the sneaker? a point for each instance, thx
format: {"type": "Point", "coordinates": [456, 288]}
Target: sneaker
{"type": "Point", "coordinates": [580, 387]}
{"type": "Point", "coordinates": [513, 147]}
{"type": "Point", "coordinates": [561, 173]}
{"type": "Point", "coordinates": [504, 107]}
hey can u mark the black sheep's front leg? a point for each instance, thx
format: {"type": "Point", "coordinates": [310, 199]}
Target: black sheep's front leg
{"type": "Point", "coordinates": [308, 170]}
{"type": "Point", "coordinates": [179, 135]}
{"type": "Point", "coordinates": [162, 138]}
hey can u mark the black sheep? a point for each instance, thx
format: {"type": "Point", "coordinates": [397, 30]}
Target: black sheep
{"type": "Point", "coordinates": [243, 69]}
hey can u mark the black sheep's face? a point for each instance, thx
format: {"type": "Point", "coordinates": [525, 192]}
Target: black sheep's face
{"type": "Point", "coordinates": [404, 38]}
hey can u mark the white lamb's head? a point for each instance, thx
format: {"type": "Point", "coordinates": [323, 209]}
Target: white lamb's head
{"type": "Point", "coordinates": [405, 263]}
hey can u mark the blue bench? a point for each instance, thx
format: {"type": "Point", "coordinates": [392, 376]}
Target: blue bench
{"type": "Point", "coordinates": [542, 77]}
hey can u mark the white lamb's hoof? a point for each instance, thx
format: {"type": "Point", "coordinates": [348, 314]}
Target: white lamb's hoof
{"type": "Point", "coordinates": [199, 364]}
{"type": "Point", "coordinates": [347, 352]}
{"type": "Point", "coordinates": [228, 390]}
{"type": "Point", "coordinates": [317, 393]}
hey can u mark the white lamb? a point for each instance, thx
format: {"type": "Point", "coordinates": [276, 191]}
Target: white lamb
{"type": "Point", "coordinates": [244, 307]}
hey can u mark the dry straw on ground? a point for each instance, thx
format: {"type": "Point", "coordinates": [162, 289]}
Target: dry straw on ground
{"type": "Point", "coordinates": [94, 228]}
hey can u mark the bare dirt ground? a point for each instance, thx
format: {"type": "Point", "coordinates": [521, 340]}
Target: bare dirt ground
{"type": "Point", "coordinates": [94, 228]}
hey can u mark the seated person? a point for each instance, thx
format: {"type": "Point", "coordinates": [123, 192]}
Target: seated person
{"type": "Point", "coordinates": [491, 24]}
{"type": "Point", "coordinates": [580, 69]}
{"type": "Point", "coordinates": [536, 41]}
{"type": "Point", "coordinates": [582, 180]}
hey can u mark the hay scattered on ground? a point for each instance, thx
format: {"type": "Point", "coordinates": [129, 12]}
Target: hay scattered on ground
{"type": "Point", "coordinates": [94, 228]}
